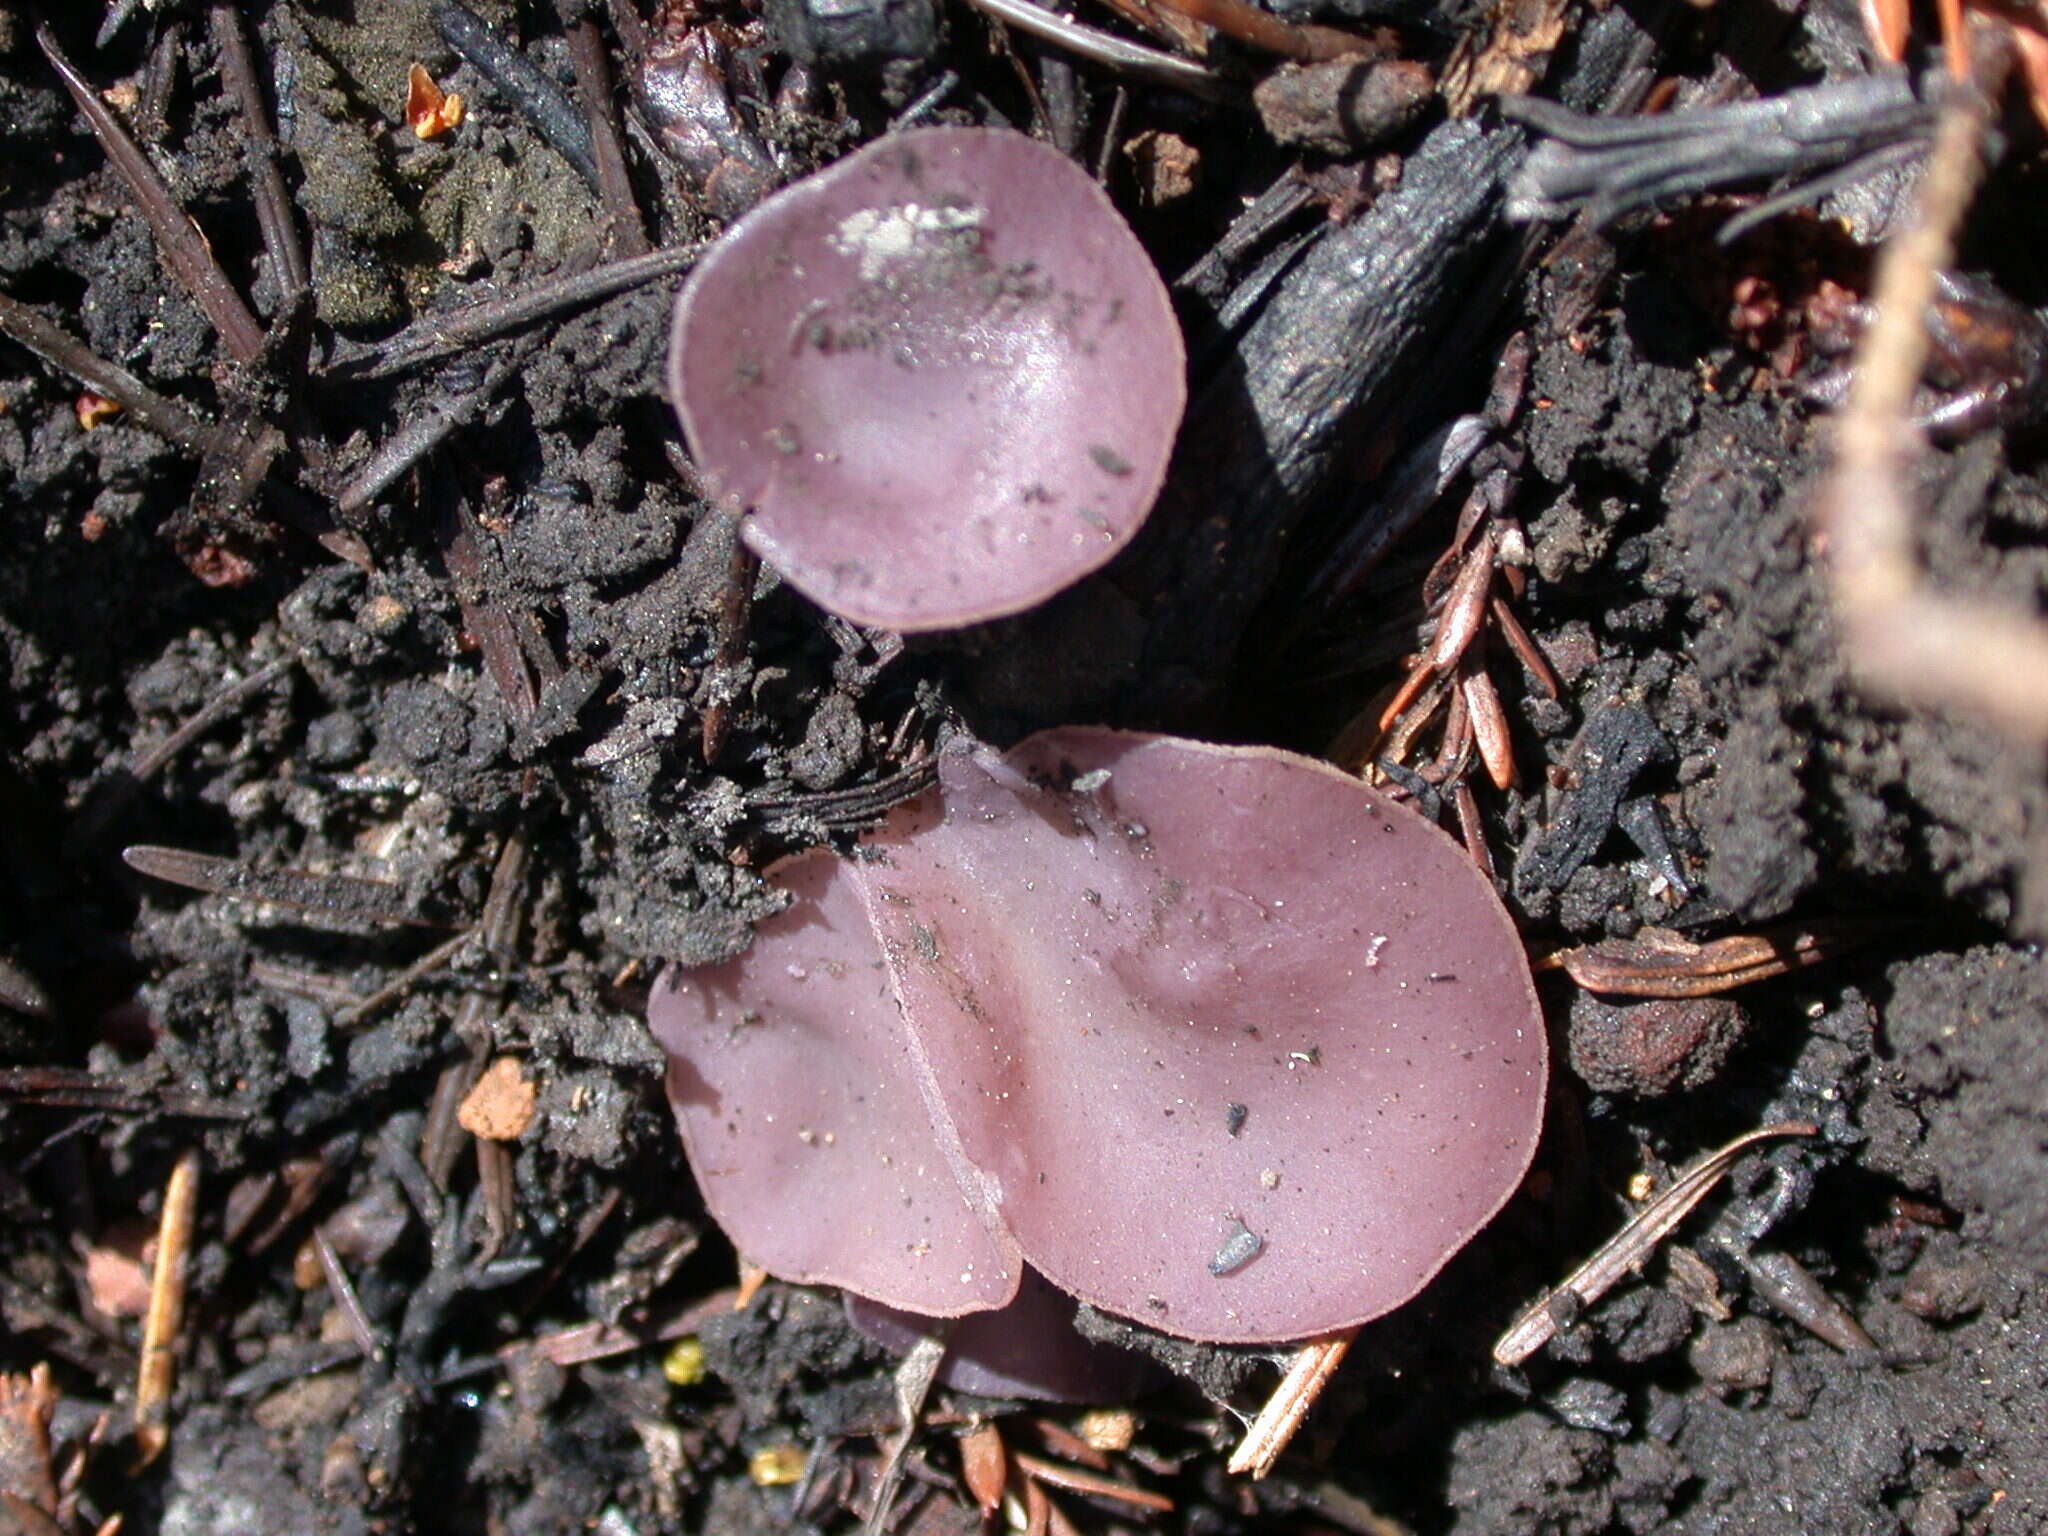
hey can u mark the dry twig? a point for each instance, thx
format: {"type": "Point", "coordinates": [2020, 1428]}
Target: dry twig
{"type": "Point", "coordinates": [157, 1373]}
{"type": "Point", "coordinates": [1311, 1368]}
{"type": "Point", "coordinates": [1902, 640]}
{"type": "Point", "coordinates": [1629, 1247]}
{"type": "Point", "coordinates": [1660, 963]}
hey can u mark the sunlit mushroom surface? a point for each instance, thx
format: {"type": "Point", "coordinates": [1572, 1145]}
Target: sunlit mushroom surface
{"type": "Point", "coordinates": [1218, 1038]}
{"type": "Point", "coordinates": [942, 374]}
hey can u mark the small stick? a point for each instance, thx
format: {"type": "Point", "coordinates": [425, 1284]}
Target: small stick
{"type": "Point", "coordinates": [76, 1088]}
{"type": "Point", "coordinates": [594, 88]}
{"type": "Point", "coordinates": [1076, 1480]}
{"type": "Point", "coordinates": [273, 202]}
{"type": "Point", "coordinates": [528, 87]}
{"type": "Point", "coordinates": [1621, 1254]}
{"type": "Point", "coordinates": [494, 1180]}
{"type": "Point", "coordinates": [185, 250]}
{"type": "Point", "coordinates": [419, 436]}
{"type": "Point", "coordinates": [1248, 24]}
{"type": "Point", "coordinates": [855, 806]}
{"type": "Point", "coordinates": [164, 416]}
{"type": "Point", "coordinates": [113, 794]}
{"type": "Point", "coordinates": [156, 1375]}
{"type": "Point", "coordinates": [1145, 63]}
{"type": "Point", "coordinates": [357, 1321]}
{"type": "Point", "coordinates": [1307, 1374]}
{"type": "Point", "coordinates": [914, 1377]}
{"type": "Point", "coordinates": [504, 905]}
{"type": "Point", "coordinates": [433, 960]}
{"type": "Point", "coordinates": [1901, 639]}
{"type": "Point", "coordinates": [497, 634]}
{"type": "Point", "coordinates": [227, 702]}
{"type": "Point", "coordinates": [442, 1136]}
{"type": "Point", "coordinates": [339, 896]}
{"type": "Point", "coordinates": [440, 336]}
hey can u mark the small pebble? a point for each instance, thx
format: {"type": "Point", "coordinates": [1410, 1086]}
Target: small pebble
{"type": "Point", "coordinates": [1238, 1250]}
{"type": "Point", "coordinates": [1649, 1049]}
{"type": "Point", "coordinates": [383, 615]}
{"type": "Point", "coordinates": [1587, 1404]}
{"type": "Point", "coordinates": [1736, 1357]}
{"type": "Point", "coordinates": [1943, 1287]}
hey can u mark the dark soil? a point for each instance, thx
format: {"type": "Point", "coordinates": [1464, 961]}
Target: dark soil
{"type": "Point", "coordinates": [539, 711]}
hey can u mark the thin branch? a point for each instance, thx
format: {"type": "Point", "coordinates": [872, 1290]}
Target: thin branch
{"type": "Point", "coordinates": [425, 431]}
{"type": "Point", "coordinates": [1307, 1374]}
{"type": "Point", "coordinates": [1902, 640]}
{"type": "Point", "coordinates": [594, 88]}
{"type": "Point", "coordinates": [440, 336]}
{"type": "Point", "coordinates": [362, 1333]}
{"type": "Point", "coordinates": [49, 341]}
{"type": "Point", "coordinates": [184, 248]}
{"type": "Point", "coordinates": [1293, 40]}
{"type": "Point", "coordinates": [273, 202]}
{"type": "Point", "coordinates": [914, 1377]}
{"type": "Point", "coordinates": [1091, 43]}
{"type": "Point", "coordinates": [1094, 1484]}
{"type": "Point", "coordinates": [1623, 1253]}
{"type": "Point", "coordinates": [529, 88]}
{"type": "Point", "coordinates": [157, 1372]}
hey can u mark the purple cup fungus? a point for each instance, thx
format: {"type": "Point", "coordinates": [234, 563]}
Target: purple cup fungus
{"type": "Point", "coordinates": [1215, 1038]}
{"type": "Point", "coordinates": [942, 373]}
{"type": "Point", "coordinates": [1025, 1348]}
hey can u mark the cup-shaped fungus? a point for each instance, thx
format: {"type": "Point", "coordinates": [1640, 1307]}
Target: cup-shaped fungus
{"type": "Point", "coordinates": [1215, 1038]}
{"type": "Point", "coordinates": [942, 373]}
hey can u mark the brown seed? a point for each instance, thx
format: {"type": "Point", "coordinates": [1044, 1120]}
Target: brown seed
{"type": "Point", "coordinates": [984, 1467]}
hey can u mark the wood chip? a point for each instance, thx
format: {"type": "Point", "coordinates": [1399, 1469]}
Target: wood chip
{"type": "Point", "coordinates": [114, 1275]}
{"type": "Point", "coordinates": [500, 1106]}
{"type": "Point", "coordinates": [156, 1375]}
{"type": "Point", "coordinates": [1660, 963]}
{"type": "Point", "coordinates": [26, 1405]}
{"type": "Point", "coordinates": [1307, 1374]}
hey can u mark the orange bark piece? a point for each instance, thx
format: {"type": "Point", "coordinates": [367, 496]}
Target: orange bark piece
{"type": "Point", "coordinates": [500, 1106]}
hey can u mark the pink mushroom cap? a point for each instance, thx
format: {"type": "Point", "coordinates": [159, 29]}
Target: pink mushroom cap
{"type": "Point", "coordinates": [942, 372]}
{"type": "Point", "coordinates": [1216, 1038]}
{"type": "Point", "coordinates": [1096, 977]}
{"type": "Point", "coordinates": [790, 1077]}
